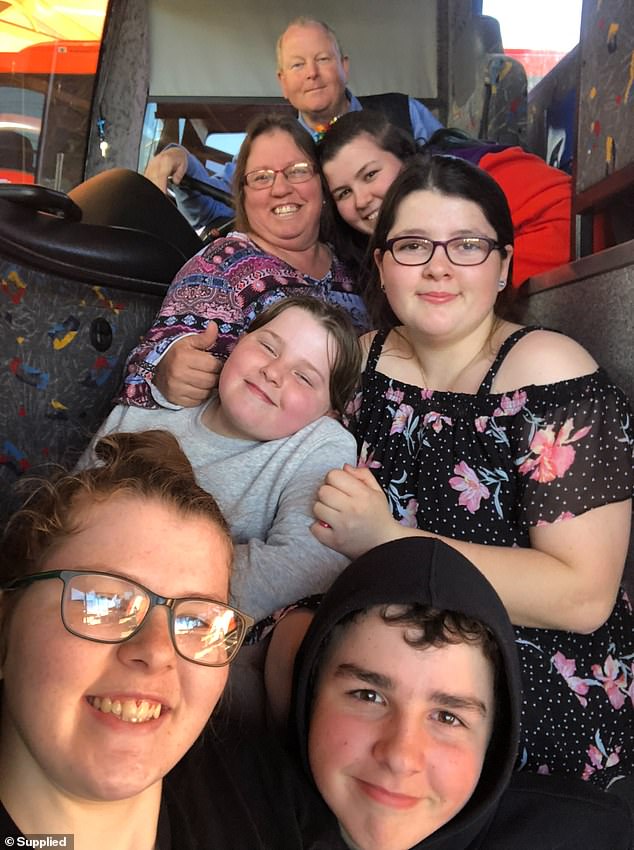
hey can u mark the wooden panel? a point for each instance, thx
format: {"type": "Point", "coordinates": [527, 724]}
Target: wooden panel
{"type": "Point", "coordinates": [230, 117]}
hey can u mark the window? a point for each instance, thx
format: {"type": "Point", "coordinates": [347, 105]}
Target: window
{"type": "Point", "coordinates": [211, 131]}
{"type": "Point", "coordinates": [47, 74]}
{"type": "Point", "coordinates": [539, 33]}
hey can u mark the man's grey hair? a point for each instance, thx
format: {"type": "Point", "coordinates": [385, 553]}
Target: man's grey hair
{"type": "Point", "coordinates": [307, 21]}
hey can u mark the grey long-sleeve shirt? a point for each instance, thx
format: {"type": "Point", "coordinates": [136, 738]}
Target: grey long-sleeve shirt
{"type": "Point", "coordinates": [266, 491]}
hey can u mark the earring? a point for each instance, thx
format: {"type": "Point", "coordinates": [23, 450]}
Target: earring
{"type": "Point", "coordinates": [501, 284]}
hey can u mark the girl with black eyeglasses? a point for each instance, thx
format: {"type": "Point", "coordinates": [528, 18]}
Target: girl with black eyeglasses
{"type": "Point", "coordinates": [507, 442]}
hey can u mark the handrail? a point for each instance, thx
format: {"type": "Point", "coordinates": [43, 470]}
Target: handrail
{"type": "Point", "coordinates": [608, 260]}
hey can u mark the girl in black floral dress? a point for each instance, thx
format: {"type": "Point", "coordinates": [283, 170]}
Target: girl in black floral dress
{"type": "Point", "coordinates": [510, 444]}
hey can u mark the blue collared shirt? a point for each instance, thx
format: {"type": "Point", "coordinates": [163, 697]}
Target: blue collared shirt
{"type": "Point", "coordinates": [424, 123]}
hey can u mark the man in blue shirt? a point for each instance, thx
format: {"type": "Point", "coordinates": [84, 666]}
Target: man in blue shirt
{"type": "Point", "coordinates": [312, 71]}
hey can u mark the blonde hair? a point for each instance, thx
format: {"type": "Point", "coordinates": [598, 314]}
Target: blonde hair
{"type": "Point", "coordinates": [307, 21]}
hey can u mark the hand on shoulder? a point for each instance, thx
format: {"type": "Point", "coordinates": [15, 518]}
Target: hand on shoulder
{"type": "Point", "coordinates": [543, 357]}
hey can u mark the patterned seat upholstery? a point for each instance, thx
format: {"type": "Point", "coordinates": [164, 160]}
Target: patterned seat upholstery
{"type": "Point", "coordinates": [496, 110]}
{"type": "Point", "coordinates": [66, 326]}
{"type": "Point", "coordinates": [489, 94]}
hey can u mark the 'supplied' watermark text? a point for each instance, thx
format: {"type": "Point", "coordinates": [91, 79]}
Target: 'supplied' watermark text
{"type": "Point", "coordinates": [43, 840]}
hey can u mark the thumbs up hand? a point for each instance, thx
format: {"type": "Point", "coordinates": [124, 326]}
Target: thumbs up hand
{"type": "Point", "coordinates": [188, 372]}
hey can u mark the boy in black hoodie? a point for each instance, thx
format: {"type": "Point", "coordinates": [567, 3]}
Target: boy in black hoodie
{"type": "Point", "coordinates": [406, 708]}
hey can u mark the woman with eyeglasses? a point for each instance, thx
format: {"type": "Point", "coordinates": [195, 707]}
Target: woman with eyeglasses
{"type": "Point", "coordinates": [116, 635]}
{"type": "Point", "coordinates": [507, 442]}
{"type": "Point", "coordinates": [276, 251]}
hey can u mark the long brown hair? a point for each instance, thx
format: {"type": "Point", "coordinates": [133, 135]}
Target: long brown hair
{"type": "Point", "coordinates": [351, 245]}
{"type": "Point", "coordinates": [449, 176]}
{"type": "Point", "coordinates": [260, 127]}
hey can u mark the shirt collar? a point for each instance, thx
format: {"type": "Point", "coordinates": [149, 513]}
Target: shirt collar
{"type": "Point", "coordinates": [355, 106]}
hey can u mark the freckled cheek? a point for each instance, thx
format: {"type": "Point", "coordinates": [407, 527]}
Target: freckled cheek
{"type": "Point", "coordinates": [333, 743]}
{"type": "Point", "coordinates": [43, 654]}
{"type": "Point", "coordinates": [24, 675]}
{"type": "Point", "coordinates": [347, 740]}
{"type": "Point", "coordinates": [456, 773]}
{"type": "Point", "coordinates": [57, 678]}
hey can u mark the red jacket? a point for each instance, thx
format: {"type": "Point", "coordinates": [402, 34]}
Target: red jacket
{"type": "Point", "coordinates": [540, 200]}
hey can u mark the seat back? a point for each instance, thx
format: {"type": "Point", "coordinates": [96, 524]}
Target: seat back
{"type": "Point", "coordinates": [488, 97]}
{"type": "Point", "coordinates": [120, 197]}
{"type": "Point", "coordinates": [16, 152]}
{"type": "Point", "coordinates": [70, 311]}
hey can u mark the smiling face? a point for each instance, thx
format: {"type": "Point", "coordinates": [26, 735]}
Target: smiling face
{"type": "Point", "coordinates": [312, 73]}
{"type": "Point", "coordinates": [286, 215]}
{"type": "Point", "coordinates": [53, 733]}
{"type": "Point", "coordinates": [276, 381]}
{"type": "Point", "coordinates": [439, 299]}
{"type": "Point", "coordinates": [358, 178]}
{"type": "Point", "coordinates": [398, 734]}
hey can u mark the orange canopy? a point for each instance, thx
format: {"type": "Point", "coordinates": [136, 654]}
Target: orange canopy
{"type": "Point", "coordinates": [37, 36]}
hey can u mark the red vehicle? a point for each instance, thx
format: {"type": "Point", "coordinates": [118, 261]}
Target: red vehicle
{"type": "Point", "coordinates": [45, 95]}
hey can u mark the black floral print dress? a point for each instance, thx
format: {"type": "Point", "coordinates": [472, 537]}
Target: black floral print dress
{"type": "Point", "coordinates": [485, 468]}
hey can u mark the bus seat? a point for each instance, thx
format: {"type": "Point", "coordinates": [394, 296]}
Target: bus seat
{"type": "Point", "coordinates": [122, 198]}
{"type": "Point", "coordinates": [488, 99]}
{"type": "Point", "coordinates": [16, 152]}
{"type": "Point", "coordinates": [74, 299]}
{"type": "Point", "coordinates": [505, 114]}
{"type": "Point", "coordinates": [552, 106]}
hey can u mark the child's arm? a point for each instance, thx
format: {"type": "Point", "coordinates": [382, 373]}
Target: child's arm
{"type": "Point", "coordinates": [290, 563]}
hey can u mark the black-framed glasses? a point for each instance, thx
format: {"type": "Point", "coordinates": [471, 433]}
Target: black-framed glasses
{"type": "Point", "coordinates": [107, 608]}
{"type": "Point", "coordinates": [461, 251]}
{"type": "Point", "coordinates": [263, 178]}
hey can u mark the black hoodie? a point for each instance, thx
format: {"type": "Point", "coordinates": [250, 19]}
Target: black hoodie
{"type": "Point", "coordinates": [524, 812]}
